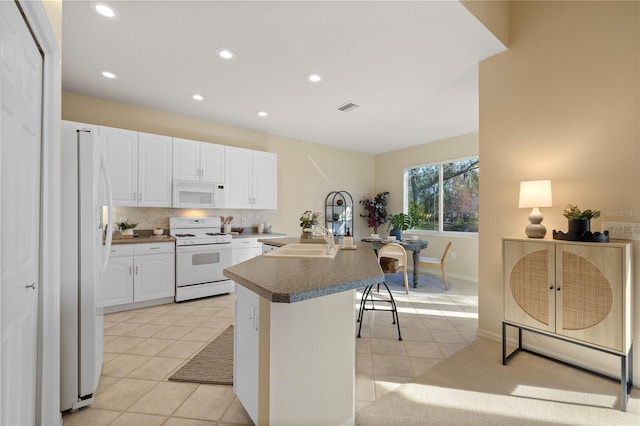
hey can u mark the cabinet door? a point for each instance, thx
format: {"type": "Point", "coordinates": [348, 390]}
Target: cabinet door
{"type": "Point", "coordinates": [238, 192]}
{"type": "Point", "coordinates": [121, 152]}
{"type": "Point", "coordinates": [242, 254]}
{"type": "Point", "coordinates": [186, 159]}
{"type": "Point", "coordinates": [154, 277]}
{"type": "Point", "coordinates": [155, 158]}
{"type": "Point", "coordinates": [246, 350]}
{"type": "Point", "coordinates": [117, 288]}
{"type": "Point", "coordinates": [589, 304]}
{"type": "Point", "coordinates": [265, 180]}
{"type": "Point", "coordinates": [529, 284]}
{"type": "Point", "coordinates": [212, 162]}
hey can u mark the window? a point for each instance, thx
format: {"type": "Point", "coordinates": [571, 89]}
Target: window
{"type": "Point", "coordinates": [444, 196]}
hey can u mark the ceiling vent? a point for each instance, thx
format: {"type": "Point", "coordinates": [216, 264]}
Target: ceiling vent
{"type": "Point", "coordinates": [348, 107]}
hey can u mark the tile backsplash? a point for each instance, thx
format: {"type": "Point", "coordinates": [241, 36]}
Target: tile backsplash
{"type": "Point", "coordinates": [156, 217]}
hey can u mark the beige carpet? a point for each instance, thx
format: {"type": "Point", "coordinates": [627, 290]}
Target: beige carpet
{"type": "Point", "coordinates": [473, 387]}
{"type": "Point", "coordinates": [212, 365]}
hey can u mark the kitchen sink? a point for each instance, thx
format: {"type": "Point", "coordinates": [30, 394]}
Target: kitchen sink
{"type": "Point", "coordinates": [304, 250]}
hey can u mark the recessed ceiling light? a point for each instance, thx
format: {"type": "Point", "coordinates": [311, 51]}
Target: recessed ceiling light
{"type": "Point", "coordinates": [262, 114]}
{"type": "Point", "coordinates": [314, 78]}
{"type": "Point", "coordinates": [105, 9]}
{"type": "Point", "coordinates": [109, 74]}
{"type": "Point", "coordinates": [197, 97]}
{"type": "Point", "coordinates": [225, 53]}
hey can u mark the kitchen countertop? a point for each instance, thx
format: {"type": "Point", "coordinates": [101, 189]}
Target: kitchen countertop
{"type": "Point", "coordinates": [289, 280]}
{"type": "Point", "coordinates": [257, 235]}
{"type": "Point", "coordinates": [142, 236]}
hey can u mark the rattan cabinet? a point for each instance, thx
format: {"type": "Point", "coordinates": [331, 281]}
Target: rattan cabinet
{"type": "Point", "coordinates": [574, 292]}
{"type": "Point", "coordinates": [580, 291]}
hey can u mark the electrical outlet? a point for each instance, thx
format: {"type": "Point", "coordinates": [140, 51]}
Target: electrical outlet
{"type": "Point", "coordinates": [453, 254]}
{"type": "Point", "coordinates": [243, 220]}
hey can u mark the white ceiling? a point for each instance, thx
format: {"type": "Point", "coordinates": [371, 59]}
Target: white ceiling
{"type": "Point", "coordinates": [412, 66]}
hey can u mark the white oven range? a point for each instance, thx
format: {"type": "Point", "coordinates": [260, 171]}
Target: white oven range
{"type": "Point", "coordinates": [202, 253]}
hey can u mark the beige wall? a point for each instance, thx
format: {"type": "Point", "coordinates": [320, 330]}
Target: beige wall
{"type": "Point", "coordinates": [561, 104]}
{"type": "Point", "coordinates": [307, 172]}
{"type": "Point", "coordinates": [390, 177]}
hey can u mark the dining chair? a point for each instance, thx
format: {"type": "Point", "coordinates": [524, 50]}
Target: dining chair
{"type": "Point", "coordinates": [398, 255]}
{"type": "Point", "coordinates": [435, 262]}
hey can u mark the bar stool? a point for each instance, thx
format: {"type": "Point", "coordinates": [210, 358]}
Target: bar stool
{"type": "Point", "coordinates": [398, 256]}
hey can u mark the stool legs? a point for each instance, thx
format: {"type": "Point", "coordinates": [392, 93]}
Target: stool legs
{"type": "Point", "coordinates": [394, 309]}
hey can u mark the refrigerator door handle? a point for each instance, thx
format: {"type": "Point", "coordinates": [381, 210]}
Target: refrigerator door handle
{"type": "Point", "coordinates": [107, 181]}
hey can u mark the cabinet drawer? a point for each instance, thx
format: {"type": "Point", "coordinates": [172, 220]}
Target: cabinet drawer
{"type": "Point", "coordinates": [121, 250]}
{"type": "Point", "coordinates": [153, 248]}
{"type": "Point", "coordinates": [238, 243]}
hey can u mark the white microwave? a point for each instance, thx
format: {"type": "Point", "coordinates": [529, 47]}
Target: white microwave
{"type": "Point", "coordinates": [199, 195]}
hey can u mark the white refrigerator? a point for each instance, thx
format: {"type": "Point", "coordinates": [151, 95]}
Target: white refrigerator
{"type": "Point", "coordinates": [86, 189]}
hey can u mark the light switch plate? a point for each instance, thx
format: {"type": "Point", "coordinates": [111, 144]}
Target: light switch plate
{"type": "Point", "coordinates": [622, 230]}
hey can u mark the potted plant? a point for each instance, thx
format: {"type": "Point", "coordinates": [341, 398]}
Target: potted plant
{"type": "Point", "coordinates": [398, 223]}
{"type": "Point", "coordinates": [308, 221]}
{"type": "Point", "coordinates": [579, 221]}
{"type": "Point", "coordinates": [125, 227]}
{"type": "Point", "coordinates": [376, 208]}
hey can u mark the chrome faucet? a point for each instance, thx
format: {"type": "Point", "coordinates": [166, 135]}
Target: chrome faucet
{"type": "Point", "coordinates": [327, 236]}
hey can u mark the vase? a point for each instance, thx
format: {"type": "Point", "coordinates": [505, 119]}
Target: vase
{"type": "Point", "coordinates": [127, 231]}
{"type": "Point", "coordinates": [397, 232]}
{"type": "Point", "coordinates": [307, 232]}
{"type": "Point", "coordinates": [579, 227]}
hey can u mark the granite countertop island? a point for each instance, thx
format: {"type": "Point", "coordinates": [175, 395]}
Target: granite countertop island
{"type": "Point", "coordinates": [288, 280]}
{"type": "Point", "coordinates": [294, 361]}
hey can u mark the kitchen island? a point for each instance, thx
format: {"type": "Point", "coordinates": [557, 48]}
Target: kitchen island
{"type": "Point", "coordinates": [294, 354]}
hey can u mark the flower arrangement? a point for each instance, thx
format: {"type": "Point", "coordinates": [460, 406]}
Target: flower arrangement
{"type": "Point", "coordinates": [376, 208]}
{"type": "Point", "coordinates": [573, 213]}
{"type": "Point", "coordinates": [309, 219]}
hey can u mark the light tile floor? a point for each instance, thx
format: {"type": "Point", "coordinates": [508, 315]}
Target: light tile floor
{"type": "Point", "coordinates": [144, 347]}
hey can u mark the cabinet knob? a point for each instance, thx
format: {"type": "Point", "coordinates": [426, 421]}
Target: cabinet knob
{"type": "Point", "coordinates": [551, 288]}
{"type": "Point", "coordinates": [558, 288]}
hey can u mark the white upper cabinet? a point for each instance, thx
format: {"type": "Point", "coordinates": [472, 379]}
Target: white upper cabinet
{"type": "Point", "coordinates": [121, 152]}
{"type": "Point", "coordinates": [198, 161]}
{"type": "Point", "coordinates": [140, 165]}
{"type": "Point", "coordinates": [251, 179]}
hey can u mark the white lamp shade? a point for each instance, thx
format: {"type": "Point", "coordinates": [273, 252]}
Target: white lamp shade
{"type": "Point", "coordinates": [535, 193]}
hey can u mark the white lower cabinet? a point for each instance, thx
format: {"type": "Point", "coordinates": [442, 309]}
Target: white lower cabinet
{"type": "Point", "coordinates": [139, 273]}
{"type": "Point", "coordinates": [244, 249]}
{"type": "Point", "coordinates": [246, 350]}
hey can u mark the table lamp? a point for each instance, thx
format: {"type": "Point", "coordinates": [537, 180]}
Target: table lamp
{"type": "Point", "coordinates": [535, 194]}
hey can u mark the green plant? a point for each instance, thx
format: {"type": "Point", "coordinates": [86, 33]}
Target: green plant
{"type": "Point", "coordinates": [399, 221]}
{"type": "Point", "coordinates": [376, 208]}
{"type": "Point", "coordinates": [309, 219]}
{"type": "Point", "coordinates": [573, 213]}
{"type": "Point", "coordinates": [125, 224]}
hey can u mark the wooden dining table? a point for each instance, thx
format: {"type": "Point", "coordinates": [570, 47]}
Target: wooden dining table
{"type": "Point", "coordinates": [415, 246]}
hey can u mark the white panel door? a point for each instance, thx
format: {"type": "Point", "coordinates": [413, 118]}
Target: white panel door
{"type": "Point", "coordinates": [238, 178]}
{"type": "Point", "coordinates": [186, 159]}
{"type": "Point", "coordinates": [211, 162]}
{"type": "Point", "coordinates": [155, 157]}
{"type": "Point", "coordinates": [121, 151]}
{"type": "Point", "coordinates": [20, 149]}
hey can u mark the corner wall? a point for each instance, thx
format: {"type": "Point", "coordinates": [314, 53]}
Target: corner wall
{"type": "Point", "coordinates": [563, 103]}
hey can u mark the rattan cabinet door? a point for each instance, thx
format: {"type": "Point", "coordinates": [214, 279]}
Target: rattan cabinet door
{"type": "Point", "coordinates": [589, 302]}
{"type": "Point", "coordinates": [529, 289]}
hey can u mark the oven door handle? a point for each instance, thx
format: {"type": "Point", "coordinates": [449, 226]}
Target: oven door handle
{"type": "Point", "coordinates": [203, 248]}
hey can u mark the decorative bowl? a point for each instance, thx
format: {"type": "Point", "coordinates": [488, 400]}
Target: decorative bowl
{"type": "Point", "coordinates": [238, 230]}
{"type": "Point", "coordinates": [158, 231]}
